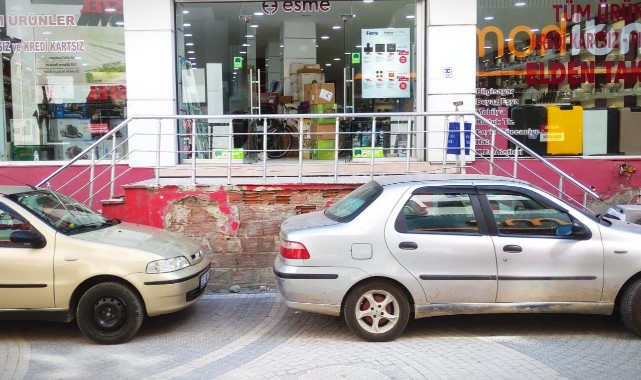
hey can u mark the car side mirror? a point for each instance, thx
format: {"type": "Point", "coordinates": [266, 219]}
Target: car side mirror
{"type": "Point", "coordinates": [576, 230]}
{"type": "Point", "coordinates": [28, 238]}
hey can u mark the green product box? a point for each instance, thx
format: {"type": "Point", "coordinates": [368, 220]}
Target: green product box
{"type": "Point", "coordinates": [323, 149]}
{"type": "Point", "coordinates": [223, 154]}
{"type": "Point", "coordinates": [366, 152]}
{"type": "Point", "coordinates": [24, 152]}
{"type": "Point", "coordinates": [323, 108]}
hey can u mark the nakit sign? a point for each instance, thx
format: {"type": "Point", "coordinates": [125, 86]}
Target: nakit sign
{"type": "Point", "coordinates": [272, 7]}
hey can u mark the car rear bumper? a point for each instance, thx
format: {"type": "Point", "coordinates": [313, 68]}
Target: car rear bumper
{"type": "Point", "coordinates": [315, 289]}
{"type": "Point", "coordinates": [170, 292]}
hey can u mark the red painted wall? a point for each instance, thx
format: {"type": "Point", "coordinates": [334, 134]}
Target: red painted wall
{"type": "Point", "coordinates": [236, 225]}
{"type": "Point", "coordinates": [602, 175]}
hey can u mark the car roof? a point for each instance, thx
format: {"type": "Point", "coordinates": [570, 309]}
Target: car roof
{"type": "Point", "coordinates": [7, 190]}
{"type": "Point", "coordinates": [447, 179]}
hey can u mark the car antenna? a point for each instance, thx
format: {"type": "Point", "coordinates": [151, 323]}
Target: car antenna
{"type": "Point", "coordinates": [20, 182]}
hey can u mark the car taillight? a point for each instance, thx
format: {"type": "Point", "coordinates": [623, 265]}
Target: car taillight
{"type": "Point", "coordinates": [293, 250]}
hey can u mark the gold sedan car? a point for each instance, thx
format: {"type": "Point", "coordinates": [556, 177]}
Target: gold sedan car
{"type": "Point", "coordinates": [60, 260]}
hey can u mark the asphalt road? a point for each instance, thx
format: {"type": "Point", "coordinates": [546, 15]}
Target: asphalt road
{"type": "Point", "coordinates": [255, 336]}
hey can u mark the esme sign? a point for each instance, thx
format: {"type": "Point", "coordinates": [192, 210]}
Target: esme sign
{"type": "Point", "coordinates": [296, 6]}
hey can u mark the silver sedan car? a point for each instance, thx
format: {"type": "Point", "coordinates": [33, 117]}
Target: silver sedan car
{"type": "Point", "coordinates": [411, 247]}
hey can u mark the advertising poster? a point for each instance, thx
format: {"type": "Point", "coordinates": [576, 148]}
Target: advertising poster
{"type": "Point", "coordinates": [67, 74]}
{"type": "Point", "coordinates": [386, 63]}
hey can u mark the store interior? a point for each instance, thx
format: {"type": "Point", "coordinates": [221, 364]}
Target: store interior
{"type": "Point", "coordinates": [263, 57]}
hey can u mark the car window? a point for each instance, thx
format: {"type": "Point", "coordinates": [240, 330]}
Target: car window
{"type": "Point", "coordinates": [355, 202]}
{"type": "Point", "coordinates": [9, 223]}
{"type": "Point", "coordinates": [439, 213]}
{"type": "Point", "coordinates": [520, 214]}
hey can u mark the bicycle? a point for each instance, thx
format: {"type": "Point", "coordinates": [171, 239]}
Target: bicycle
{"type": "Point", "coordinates": [280, 137]}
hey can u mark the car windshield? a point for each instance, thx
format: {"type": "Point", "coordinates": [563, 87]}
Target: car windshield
{"type": "Point", "coordinates": [354, 203]}
{"type": "Point", "coordinates": [61, 212]}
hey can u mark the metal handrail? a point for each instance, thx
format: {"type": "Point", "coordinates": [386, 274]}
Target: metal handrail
{"type": "Point", "coordinates": [412, 119]}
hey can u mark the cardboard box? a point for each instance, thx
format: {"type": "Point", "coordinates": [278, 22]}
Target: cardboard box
{"type": "Point", "coordinates": [309, 70]}
{"type": "Point", "coordinates": [323, 132]}
{"type": "Point", "coordinates": [295, 66]}
{"type": "Point", "coordinates": [320, 93]}
{"type": "Point", "coordinates": [323, 149]}
{"type": "Point", "coordinates": [285, 99]}
{"type": "Point", "coordinates": [324, 108]}
{"type": "Point", "coordinates": [298, 81]}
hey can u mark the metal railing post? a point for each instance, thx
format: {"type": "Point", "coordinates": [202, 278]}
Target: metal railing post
{"type": "Point", "coordinates": [158, 142]}
{"type": "Point", "coordinates": [112, 180]}
{"type": "Point", "coordinates": [336, 151]}
{"type": "Point", "coordinates": [463, 145]}
{"type": "Point", "coordinates": [445, 133]}
{"type": "Point", "coordinates": [408, 144]}
{"type": "Point", "coordinates": [193, 151]}
{"type": "Point", "coordinates": [92, 174]}
{"type": "Point", "coordinates": [492, 145]}
{"type": "Point", "coordinates": [372, 146]}
{"type": "Point", "coordinates": [301, 123]}
{"type": "Point", "coordinates": [264, 150]}
{"type": "Point", "coordinates": [230, 147]}
{"type": "Point", "coordinates": [560, 187]}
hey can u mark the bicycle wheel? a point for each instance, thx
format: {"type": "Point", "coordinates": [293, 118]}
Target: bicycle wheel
{"type": "Point", "coordinates": [279, 141]}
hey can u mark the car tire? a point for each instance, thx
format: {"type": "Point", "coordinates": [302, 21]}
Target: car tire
{"type": "Point", "coordinates": [109, 313]}
{"type": "Point", "coordinates": [377, 311]}
{"type": "Point", "coordinates": [631, 308]}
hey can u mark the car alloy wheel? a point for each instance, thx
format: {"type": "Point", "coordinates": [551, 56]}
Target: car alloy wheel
{"type": "Point", "coordinates": [377, 311]}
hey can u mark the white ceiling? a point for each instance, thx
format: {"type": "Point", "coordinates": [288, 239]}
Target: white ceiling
{"type": "Point", "coordinates": [232, 16]}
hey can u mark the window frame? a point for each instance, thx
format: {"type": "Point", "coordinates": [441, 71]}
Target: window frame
{"type": "Point", "coordinates": [400, 223]}
{"type": "Point", "coordinates": [483, 191]}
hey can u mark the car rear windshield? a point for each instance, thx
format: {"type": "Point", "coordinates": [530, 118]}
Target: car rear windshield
{"type": "Point", "coordinates": [354, 203]}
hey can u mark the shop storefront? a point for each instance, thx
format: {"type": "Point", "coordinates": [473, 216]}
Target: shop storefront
{"type": "Point", "coordinates": [63, 65]}
{"type": "Point", "coordinates": [297, 57]}
{"type": "Point", "coordinates": [561, 77]}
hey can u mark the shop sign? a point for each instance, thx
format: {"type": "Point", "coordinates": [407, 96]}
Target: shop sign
{"type": "Point", "coordinates": [301, 6]}
{"type": "Point", "coordinates": [592, 32]}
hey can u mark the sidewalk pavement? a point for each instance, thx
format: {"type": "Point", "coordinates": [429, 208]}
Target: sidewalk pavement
{"type": "Point", "coordinates": [255, 336]}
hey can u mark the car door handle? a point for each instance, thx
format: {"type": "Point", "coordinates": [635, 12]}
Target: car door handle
{"type": "Point", "coordinates": [408, 245]}
{"type": "Point", "coordinates": [510, 248]}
